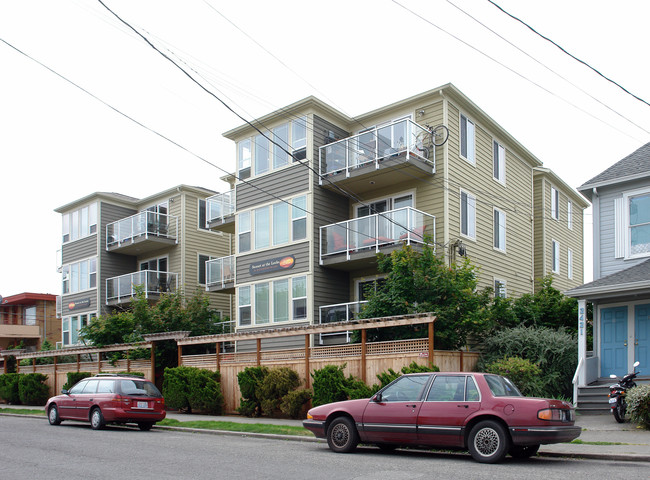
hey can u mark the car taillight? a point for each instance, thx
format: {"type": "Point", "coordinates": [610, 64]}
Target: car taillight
{"type": "Point", "coordinates": [556, 415]}
{"type": "Point", "coordinates": [124, 400]}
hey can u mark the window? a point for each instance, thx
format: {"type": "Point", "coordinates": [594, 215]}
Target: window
{"type": "Point", "coordinates": [244, 305]}
{"type": "Point", "coordinates": [569, 215]}
{"type": "Point", "coordinates": [281, 300]}
{"type": "Point", "coordinates": [79, 276]}
{"type": "Point", "coordinates": [262, 152]}
{"type": "Point", "coordinates": [299, 138]}
{"type": "Point", "coordinates": [499, 230]}
{"type": "Point", "coordinates": [467, 139]}
{"type": "Point", "coordinates": [499, 288]}
{"type": "Point", "coordinates": [261, 303]}
{"type": "Point", "coordinates": [244, 164]}
{"type": "Point", "coordinates": [244, 229]}
{"type": "Point", "coordinates": [262, 227]}
{"type": "Point", "coordinates": [280, 147]}
{"type": "Point", "coordinates": [79, 223]}
{"type": "Point", "coordinates": [556, 257]}
{"type": "Point", "coordinates": [30, 315]}
{"type": "Point", "coordinates": [405, 389]}
{"type": "Point", "coordinates": [467, 214]}
{"type": "Point", "coordinates": [569, 260]}
{"type": "Point", "coordinates": [203, 259]}
{"type": "Point", "coordinates": [447, 388]}
{"type": "Point", "coordinates": [299, 295]}
{"type": "Point", "coordinates": [499, 162]}
{"type": "Point", "coordinates": [280, 223]}
{"type": "Point", "coordinates": [299, 218]}
{"type": "Point", "coordinates": [71, 325]}
{"type": "Point", "coordinates": [555, 203]}
{"type": "Point", "coordinates": [639, 224]}
{"type": "Point", "coordinates": [203, 224]}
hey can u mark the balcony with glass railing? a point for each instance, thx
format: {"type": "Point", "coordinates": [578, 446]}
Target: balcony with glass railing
{"type": "Point", "coordinates": [379, 153]}
{"type": "Point", "coordinates": [221, 212]}
{"type": "Point", "coordinates": [220, 275]}
{"type": "Point", "coordinates": [340, 312]}
{"type": "Point", "coordinates": [153, 283]}
{"type": "Point", "coordinates": [353, 244]}
{"type": "Point", "coordinates": [143, 232]}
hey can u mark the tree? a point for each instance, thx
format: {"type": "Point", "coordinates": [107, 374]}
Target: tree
{"type": "Point", "coordinates": [418, 281]}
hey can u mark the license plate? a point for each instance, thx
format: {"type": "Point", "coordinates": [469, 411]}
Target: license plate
{"type": "Point", "coordinates": [612, 400]}
{"type": "Point", "coordinates": [142, 405]}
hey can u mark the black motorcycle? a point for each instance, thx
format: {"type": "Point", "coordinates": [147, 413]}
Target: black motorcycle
{"type": "Point", "coordinates": [617, 393]}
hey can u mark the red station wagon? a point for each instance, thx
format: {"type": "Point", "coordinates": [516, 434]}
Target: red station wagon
{"type": "Point", "coordinates": [483, 413]}
{"type": "Point", "coordinates": [106, 399]}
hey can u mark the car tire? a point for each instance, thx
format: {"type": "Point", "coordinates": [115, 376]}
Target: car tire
{"type": "Point", "coordinates": [53, 415]}
{"type": "Point", "coordinates": [342, 435]}
{"type": "Point", "coordinates": [97, 419]}
{"type": "Point", "coordinates": [518, 451]}
{"type": "Point", "coordinates": [488, 442]}
{"type": "Point", "coordinates": [145, 426]}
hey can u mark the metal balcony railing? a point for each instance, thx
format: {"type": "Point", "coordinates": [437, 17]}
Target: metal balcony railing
{"type": "Point", "coordinates": [401, 138]}
{"type": "Point", "coordinates": [375, 231]}
{"type": "Point", "coordinates": [220, 206]}
{"type": "Point", "coordinates": [149, 224]}
{"type": "Point", "coordinates": [220, 271]}
{"type": "Point", "coordinates": [153, 283]}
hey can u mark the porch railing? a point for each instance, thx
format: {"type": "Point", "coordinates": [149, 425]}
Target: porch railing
{"type": "Point", "coordinates": [220, 205]}
{"type": "Point", "coordinates": [141, 224]}
{"type": "Point", "coordinates": [152, 282]}
{"type": "Point", "coordinates": [220, 271]}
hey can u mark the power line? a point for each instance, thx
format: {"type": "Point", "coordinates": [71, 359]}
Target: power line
{"type": "Point", "coordinates": [569, 54]}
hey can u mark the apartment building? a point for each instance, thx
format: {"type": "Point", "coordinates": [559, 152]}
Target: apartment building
{"type": "Point", "coordinates": [30, 319]}
{"type": "Point", "coordinates": [310, 211]}
{"type": "Point", "coordinates": [113, 244]}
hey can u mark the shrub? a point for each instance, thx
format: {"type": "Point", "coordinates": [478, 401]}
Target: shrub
{"type": "Point", "coordinates": [9, 388]}
{"type": "Point", "coordinates": [554, 351]}
{"type": "Point", "coordinates": [32, 389]}
{"type": "Point", "coordinates": [331, 385]}
{"type": "Point", "coordinates": [74, 377]}
{"type": "Point", "coordinates": [293, 402]}
{"type": "Point", "coordinates": [249, 380]}
{"type": "Point", "coordinates": [274, 386]}
{"type": "Point", "coordinates": [193, 388]}
{"type": "Point", "coordinates": [386, 377]}
{"type": "Point", "coordinates": [524, 374]}
{"type": "Point", "coordinates": [638, 405]}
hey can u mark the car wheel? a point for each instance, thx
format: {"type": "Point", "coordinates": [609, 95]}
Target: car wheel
{"type": "Point", "coordinates": [53, 415]}
{"type": "Point", "coordinates": [342, 436]}
{"type": "Point", "coordinates": [488, 442]}
{"type": "Point", "coordinates": [528, 451]}
{"type": "Point", "coordinates": [97, 419]}
{"type": "Point", "coordinates": [145, 426]}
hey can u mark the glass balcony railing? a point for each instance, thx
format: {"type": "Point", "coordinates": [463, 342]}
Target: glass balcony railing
{"type": "Point", "coordinates": [375, 231]}
{"type": "Point", "coordinates": [340, 312]}
{"type": "Point", "coordinates": [143, 224]}
{"type": "Point", "coordinates": [152, 282]}
{"type": "Point", "coordinates": [402, 138]}
{"type": "Point", "coordinates": [220, 271]}
{"type": "Point", "coordinates": [220, 206]}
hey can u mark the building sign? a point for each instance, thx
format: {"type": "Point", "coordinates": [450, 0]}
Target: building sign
{"type": "Point", "coordinates": [272, 265]}
{"type": "Point", "coordinates": [83, 303]}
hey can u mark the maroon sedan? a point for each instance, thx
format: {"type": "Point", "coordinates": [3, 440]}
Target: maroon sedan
{"type": "Point", "coordinates": [483, 413]}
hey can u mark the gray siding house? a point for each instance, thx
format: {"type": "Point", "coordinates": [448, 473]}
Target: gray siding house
{"type": "Point", "coordinates": [620, 291]}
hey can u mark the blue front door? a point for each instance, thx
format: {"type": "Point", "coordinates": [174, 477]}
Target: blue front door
{"type": "Point", "coordinates": [642, 335]}
{"type": "Point", "coordinates": [613, 341]}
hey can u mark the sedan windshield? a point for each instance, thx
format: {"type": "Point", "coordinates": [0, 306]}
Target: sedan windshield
{"type": "Point", "coordinates": [502, 387]}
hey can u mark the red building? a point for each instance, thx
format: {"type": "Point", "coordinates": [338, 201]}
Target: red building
{"type": "Point", "coordinates": [30, 318]}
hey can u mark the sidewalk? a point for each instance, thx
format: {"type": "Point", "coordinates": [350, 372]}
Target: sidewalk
{"type": "Point", "coordinates": [595, 428]}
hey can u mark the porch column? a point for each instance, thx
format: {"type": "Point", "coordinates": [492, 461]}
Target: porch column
{"type": "Point", "coordinates": [582, 341]}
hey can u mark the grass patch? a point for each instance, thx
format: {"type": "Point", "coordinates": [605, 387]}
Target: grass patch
{"type": "Point", "coordinates": [577, 441]}
{"type": "Point", "coordinates": [23, 411]}
{"type": "Point", "coordinates": [238, 427]}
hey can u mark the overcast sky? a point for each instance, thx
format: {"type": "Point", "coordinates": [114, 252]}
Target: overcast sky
{"type": "Point", "coordinates": [57, 143]}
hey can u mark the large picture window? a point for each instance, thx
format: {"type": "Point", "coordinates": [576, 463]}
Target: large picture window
{"type": "Point", "coordinates": [277, 301]}
{"type": "Point", "coordinates": [71, 325]}
{"type": "Point", "coordinates": [79, 276]}
{"type": "Point", "coordinates": [79, 223]}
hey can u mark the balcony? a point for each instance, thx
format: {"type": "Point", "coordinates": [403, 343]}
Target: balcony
{"type": "Point", "coordinates": [19, 330]}
{"type": "Point", "coordinates": [371, 160]}
{"type": "Point", "coordinates": [141, 233]}
{"type": "Point", "coordinates": [221, 212]}
{"type": "Point", "coordinates": [354, 244]}
{"type": "Point", "coordinates": [340, 312]}
{"type": "Point", "coordinates": [220, 275]}
{"type": "Point", "coordinates": [121, 290]}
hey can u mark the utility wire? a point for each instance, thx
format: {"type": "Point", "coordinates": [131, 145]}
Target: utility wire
{"type": "Point", "coordinates": [569, 54]}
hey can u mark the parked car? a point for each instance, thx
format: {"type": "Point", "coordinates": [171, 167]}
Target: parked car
{"type": "Point", "coordinates": [483, 413]}
{"type": "Point", "coordinates": [107, 398]}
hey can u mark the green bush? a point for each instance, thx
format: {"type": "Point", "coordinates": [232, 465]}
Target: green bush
{"type": "Point", "coordinates": [274, 386]}
{"type": "Point", "coordinates": [74, 377]}
{"type": "Point", "coordinates": [331, 385]}
{"type": "Point", "coordinates": [193, 388]}
{"type": "Point", "coordinates": [9, 388]}
{"type": "Point", "coordinates": [293, 402]}
{"type": "Point", "coordinates": [249, 381]}
{"type": "Point", "coordinates": [32, 389]}
{"type": "Point", "coordinates": [638, 405]}
{"type": "Point", "coordinates": [554, 351]}
{"type": "Point", "coordinates": [386, 377]}
{"type": "Point", "coordinates": [525, 374]}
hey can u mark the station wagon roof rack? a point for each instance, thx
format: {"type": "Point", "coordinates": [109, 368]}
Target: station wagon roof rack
{"type": "Point", "coordinates": [130, 375]}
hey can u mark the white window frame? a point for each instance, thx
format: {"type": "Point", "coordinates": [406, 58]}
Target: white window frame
{"type": "Point", "coordinates": [555, 203]}
{"type": "Point", "coordinates": [67, 277]}
{"type": "Point", "coordinates": [270, 285]}
{"type": "Point", "coordinates": [244, 228]}
{"type": "Point", "coordinates": [569, 261]}
{"type": "Point", "coordinates": [89, 317]}
{"type": "Point", "coordinates": [240, 305]}
{"type": "Point", "coordinates": [471, 215]}
{"type": "Point", "coordinates": [569, 215]}
{"type": "Point", "coordinates": [469, 136]}
{"type": "Point", "coordinates": [555, 256]}
{"type": "Point", "coordinates": [503, 291]}
{"type": "Point", "coordinates": [627, 227]}
{"type": "Point", "coordinates": [500, 231]}
{"type": "Point", "coordinates": [72, 223]}
{"type": "Point", "coordinates": [499, 162]}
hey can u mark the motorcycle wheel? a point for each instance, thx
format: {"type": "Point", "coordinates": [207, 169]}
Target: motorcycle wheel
{"type": "Point", "coordinates": [619, 413]}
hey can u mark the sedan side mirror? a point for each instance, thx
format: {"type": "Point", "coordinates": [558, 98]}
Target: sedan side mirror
{"type": "Point", "coordinates": [65, 392]}
{"type": "Point", "coordinates": [377, 398]}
